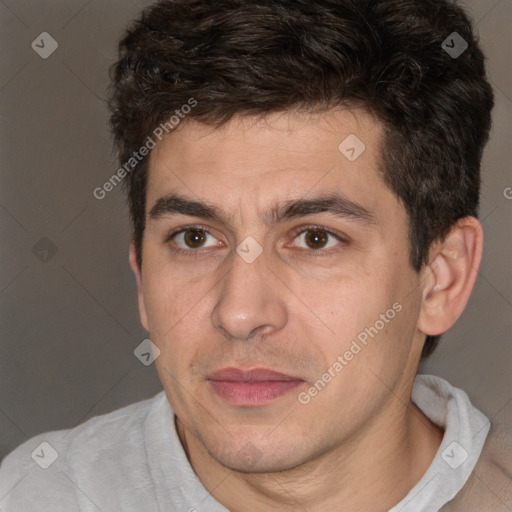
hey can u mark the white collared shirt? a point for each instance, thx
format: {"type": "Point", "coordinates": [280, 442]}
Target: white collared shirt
{"type": "Point", "coordinates": [132, 460]}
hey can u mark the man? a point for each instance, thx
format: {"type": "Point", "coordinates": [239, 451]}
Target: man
{"type": "Point", "coordinates": [303, 182]}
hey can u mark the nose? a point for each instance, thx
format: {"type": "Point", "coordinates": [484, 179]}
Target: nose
{"type": "Point", "coordinates": [251, 301]}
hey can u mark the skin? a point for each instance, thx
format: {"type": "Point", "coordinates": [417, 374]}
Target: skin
{"type": "Point", "coordinates": [360, 441]}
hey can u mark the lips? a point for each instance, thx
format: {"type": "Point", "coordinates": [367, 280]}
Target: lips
{"type": "Point", "coordinates": [253, 387]}
{"type": "Point", "coordinates": [255, 375]}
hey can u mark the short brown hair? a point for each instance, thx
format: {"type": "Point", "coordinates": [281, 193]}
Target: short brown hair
{"type": "Point", "coordinates": [261, 56]}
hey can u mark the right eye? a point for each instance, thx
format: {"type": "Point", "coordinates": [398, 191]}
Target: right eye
{"type": "Point", "coordinates": [192, 238]}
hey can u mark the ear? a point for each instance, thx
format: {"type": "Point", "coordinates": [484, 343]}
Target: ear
{"type": "Point", "coordinates": [134, 264]}
{"type": "Point", "coordinates": [450, 276]}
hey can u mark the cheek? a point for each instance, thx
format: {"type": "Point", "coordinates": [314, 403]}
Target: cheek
{"type": "Point", "coordinates": [349, 302]}
{"type": "Point", "coordinates": [370, 314]}
{"type": "Point", "coordinates": [178, 308]}
{"type": "Point", "coordinates": [172, 295]}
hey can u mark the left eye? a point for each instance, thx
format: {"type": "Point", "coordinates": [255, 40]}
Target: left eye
{"type": "Point", "coordinates": [316, 239]}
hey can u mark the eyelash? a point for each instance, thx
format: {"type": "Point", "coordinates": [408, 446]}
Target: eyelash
{"type": "Point", "coordinates": [188, 252]}
{"type": "Point", "coordinates": [321, 252]}
{"type": "Point", "coordinates": [298, 231]}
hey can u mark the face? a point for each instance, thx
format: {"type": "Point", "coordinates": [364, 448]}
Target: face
{"type": "Point", "coordinates": [276, 283]}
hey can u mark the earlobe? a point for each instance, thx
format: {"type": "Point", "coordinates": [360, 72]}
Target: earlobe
{"type": "Point", "coordinates": [450, 276]}
{"type": "Point", "coordinates": [137, 271]}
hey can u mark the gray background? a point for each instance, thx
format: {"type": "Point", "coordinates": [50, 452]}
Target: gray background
{"type": "Point", "coordinates": [69, 322]}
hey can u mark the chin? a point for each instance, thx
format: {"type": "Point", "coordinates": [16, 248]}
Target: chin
{"type": "Point", "coordinates": [257, 457]}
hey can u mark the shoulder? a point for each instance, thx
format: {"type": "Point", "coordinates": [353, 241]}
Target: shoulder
{"type": "Point", "coordinates": [490, 485]}
{"type": "Point", "coordinates": [52, 464]}
{"type": "Point", "coordinates": [495, 470]}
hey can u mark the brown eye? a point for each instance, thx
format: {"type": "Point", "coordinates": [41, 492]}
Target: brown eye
{"type": "Point", "coordinates": [194, 238]}
{"type": "Point", "coordinates": [316, 239]}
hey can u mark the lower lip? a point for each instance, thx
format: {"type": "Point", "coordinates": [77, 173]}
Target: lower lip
{"type": "Point", "coordinates": [252, 393]}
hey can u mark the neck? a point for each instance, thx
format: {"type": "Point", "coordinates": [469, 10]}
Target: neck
{"type": "Point", "coordinates": [372, 471]}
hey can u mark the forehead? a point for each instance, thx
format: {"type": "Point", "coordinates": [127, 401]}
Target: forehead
{"type": "Point", "coordinates": [286, 135]}
{"type": "Point", "coordinates": [257, 161]}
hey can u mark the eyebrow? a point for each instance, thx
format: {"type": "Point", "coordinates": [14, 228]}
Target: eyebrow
{"type": "Point", "coordinates": [334, 203]}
